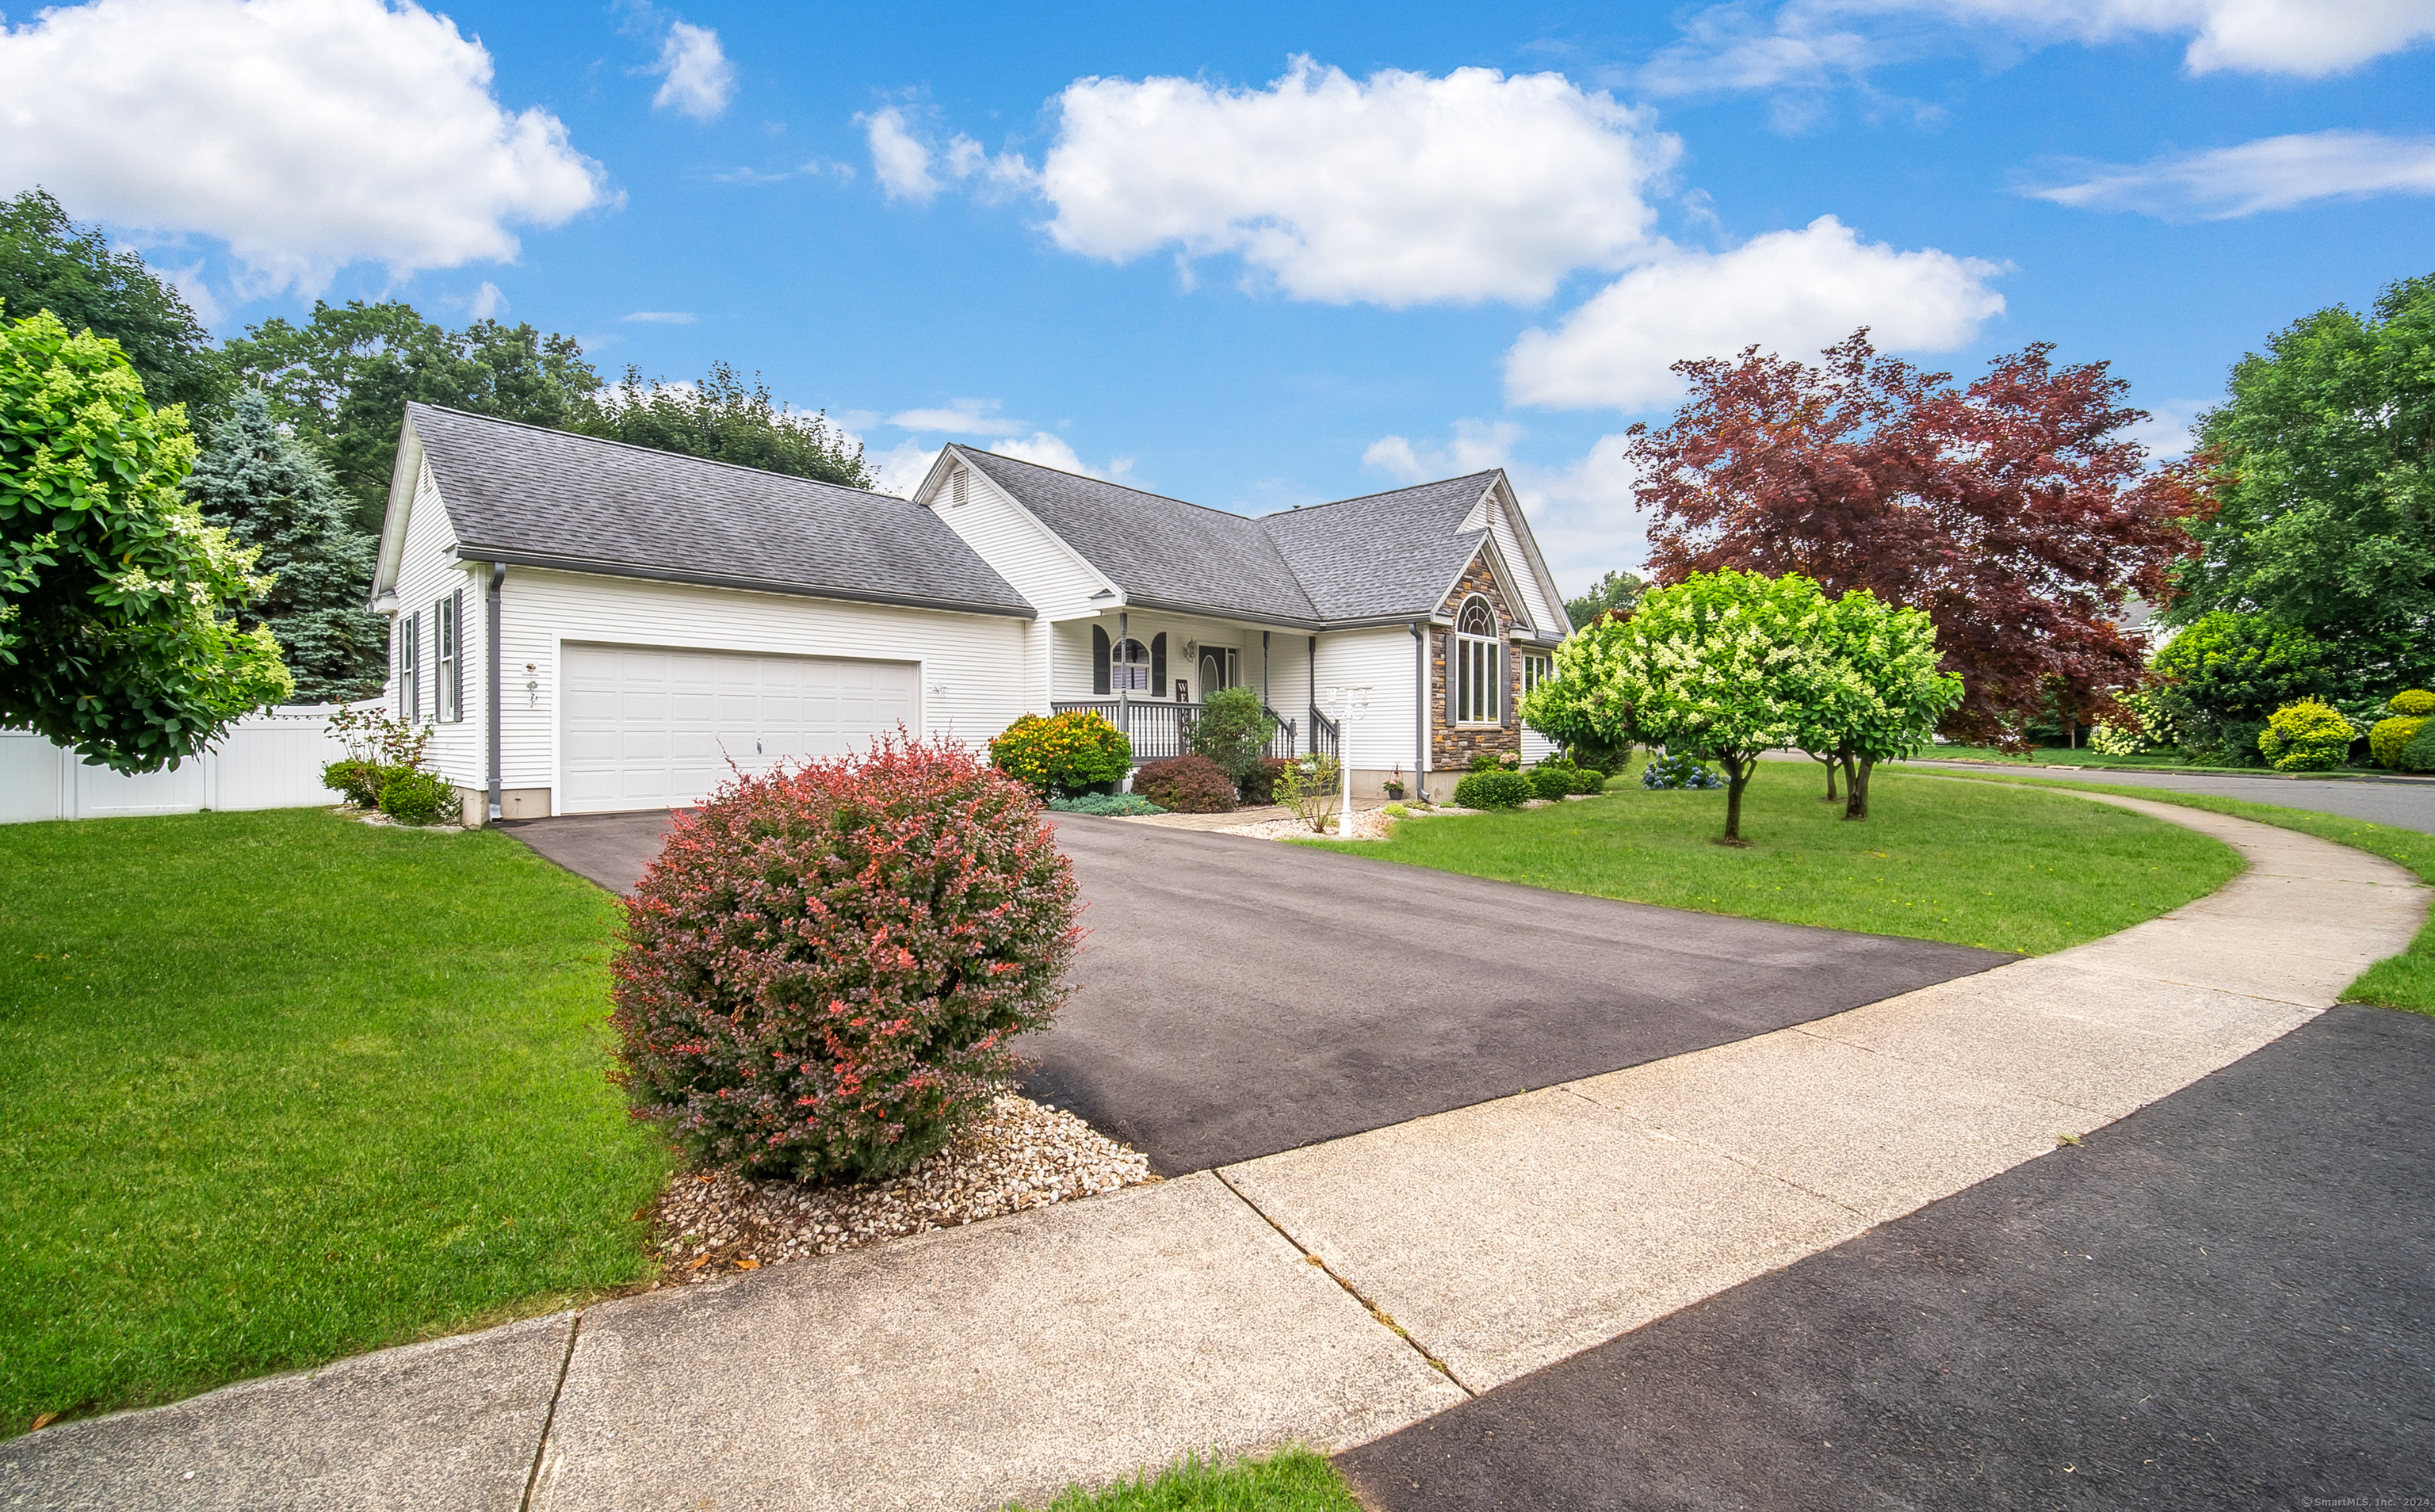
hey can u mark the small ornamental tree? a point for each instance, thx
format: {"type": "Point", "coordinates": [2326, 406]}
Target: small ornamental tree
{"type": "Point", "coordinates": [824, 969]}
{"type": "Point", "coordinates": [118, 630]}
{"type": "Point", "coordinates": [1063, 754]}
{"type": "Point", "coordinates": [1718, 666]}
{"type": "Point", "coordinates": [1878, 694]}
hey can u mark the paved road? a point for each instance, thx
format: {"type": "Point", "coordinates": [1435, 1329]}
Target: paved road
{"type": "Point", "coordinates": [2405, 803]}
{"type": "Point", "coordinates": [1238, 997]}
{"type": "Point", "coordinates": [2226, 1299]}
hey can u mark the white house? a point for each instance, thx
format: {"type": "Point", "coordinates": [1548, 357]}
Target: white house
{"type": "Point", "coordinates": [592, 626]}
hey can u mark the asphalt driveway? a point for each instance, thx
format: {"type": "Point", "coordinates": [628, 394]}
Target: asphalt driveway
{"type": "Point", "coordinates": [1238, 997]}
{"type": "Point", "coordinates": [2222, 1300]}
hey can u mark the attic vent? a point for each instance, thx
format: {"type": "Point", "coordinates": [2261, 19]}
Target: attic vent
{"type": "Point", "coordinates": [956, 486]}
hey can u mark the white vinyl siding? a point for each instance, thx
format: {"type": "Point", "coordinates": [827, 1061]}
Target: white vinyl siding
{"type": "Point", "coordinates": [428, 572]}
{"type": "Point", "coordinates": [1535, 598]}
{"type": "Point", "coordinates": [648, 728]}
{"type": "Point", "coordinates": [1383, 660]}
{"type": "Point", "coordinates": [973, 668]}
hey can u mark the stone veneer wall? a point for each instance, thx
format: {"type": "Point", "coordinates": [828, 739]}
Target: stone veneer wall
{"type": "Point", "coordinates": [1452, 747]}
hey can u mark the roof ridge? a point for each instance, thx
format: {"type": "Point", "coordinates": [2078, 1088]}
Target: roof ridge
{"type": "Point", "coordinates": [648, 450]}
{"type": "Point", "coordinates": [1382, 493]}
{"type": "Point", "coordinates": [1169, 498]}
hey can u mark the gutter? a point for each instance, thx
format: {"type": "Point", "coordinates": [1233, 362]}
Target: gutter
{"type": "Point", "coordinates": [751, 585]}
{"type": "Point", "coordinates": [491, 634]}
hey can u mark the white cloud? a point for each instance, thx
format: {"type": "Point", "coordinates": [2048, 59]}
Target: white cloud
{"type": "Point", "coordinates": [901, 468]}
{"type": "Point", "coordinates": [304, 133]}
{"type": "Point", "coordinates": [2274, 173]}
{"type": "Point", "coordinates": [2170, 429]}
{"type": "Point", "coordinates": [661, 318]}
{"type": "Point", "coordinates": [696, 79]}
{"type": "Point", "coordinates": [1476, 446]}
{"type": "Point", "coordinates": [1807, 44]}
{"type": "Point", "coordinates": [964, 417]}
{"type": "Point", "coordinates": [902, 159]}
{"type": "Point", "coordinates": [1582, 513]}
{"type": "Point", "coordinates": [1046, 448]}
{"type": "Point", "coordinates": [1791, 291]}
{"type": "Point", "coordinates": [1397, 190]}
{"type": "Point", "coordinates": [488, 304]}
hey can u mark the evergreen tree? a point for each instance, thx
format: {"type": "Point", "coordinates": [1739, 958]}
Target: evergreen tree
{"type": "Point", "coordinates": [269, 492]}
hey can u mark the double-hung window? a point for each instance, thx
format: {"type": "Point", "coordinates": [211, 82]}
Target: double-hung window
{"type": "Point", "coordinates": [448, 657]}
{"type": "Point", "coordinates": [1537, 667]}
{"type": "Point", "coordinates": [1479, 665]}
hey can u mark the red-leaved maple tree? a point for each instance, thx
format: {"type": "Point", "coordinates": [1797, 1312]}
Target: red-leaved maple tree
{"type": "Point", "coordinates": [2017, 511]}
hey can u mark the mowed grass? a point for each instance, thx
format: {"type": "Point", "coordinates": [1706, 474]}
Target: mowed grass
{"type": "Point", "coordinates": [1970, 864]}
{"type": "Point", "coordinates": [2405, 981]}
{"type": "Point", "coordinates": [1292, 1479]}
{"type": "Point", "coordinates": [281, 1087]}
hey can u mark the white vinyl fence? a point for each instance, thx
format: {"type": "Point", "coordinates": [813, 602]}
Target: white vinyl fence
{"type": "Point", "coordinates": [269, 760]}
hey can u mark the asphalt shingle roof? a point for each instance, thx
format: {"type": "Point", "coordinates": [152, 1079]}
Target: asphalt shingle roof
{"type": "Point", "coordinates": [1159, 550]}
{"type": "Point", "coordinates": [1383, 555]}
{"type": "Point", "coordinates": [524, 490]}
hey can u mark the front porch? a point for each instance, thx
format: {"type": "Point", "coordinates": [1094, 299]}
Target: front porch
{"type": "Point", "coordinates": [1160, 726]}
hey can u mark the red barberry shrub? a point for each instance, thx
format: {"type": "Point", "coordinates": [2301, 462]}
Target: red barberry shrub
{"type": "Point", "coordinates": [1186, 785]}
{"type": "Point", "coordinates": [1259, 785]}
{"type": "Point", "coordinates": [823, 969]}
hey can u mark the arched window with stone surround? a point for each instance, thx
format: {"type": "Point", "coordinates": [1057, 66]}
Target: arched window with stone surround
{"type": "Point", "coordinates": [1479, 664]}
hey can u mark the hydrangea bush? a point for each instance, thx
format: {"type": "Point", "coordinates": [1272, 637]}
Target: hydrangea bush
{"type": "Point", "coordinates": [1679, 770]}
{"type": "Point", "coordinates": [822, 971]}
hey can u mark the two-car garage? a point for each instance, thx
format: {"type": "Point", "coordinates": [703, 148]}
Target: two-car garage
{"type": "Point", "coordinates": [652, 728]}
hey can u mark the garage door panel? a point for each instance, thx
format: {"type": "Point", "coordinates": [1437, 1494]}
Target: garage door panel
{"type": "Point", "coordinates": [648, 728]}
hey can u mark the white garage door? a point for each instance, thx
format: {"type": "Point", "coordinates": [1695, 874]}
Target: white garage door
{"type": "Point", "coordinates": [654, 730]}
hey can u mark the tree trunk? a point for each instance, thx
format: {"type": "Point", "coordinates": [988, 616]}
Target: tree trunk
{"type": "Point", "coordinates": [1737, 776]}
{"type": "Point", "coordinates": [1858, 806]}
{"type": "Point", "coordinates": [1827, 762]}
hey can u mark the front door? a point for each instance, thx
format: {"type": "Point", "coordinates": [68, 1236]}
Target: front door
{"type": "Point", "coordinates": [1217, 669]}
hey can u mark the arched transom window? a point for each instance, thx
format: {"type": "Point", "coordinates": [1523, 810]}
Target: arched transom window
{"type": "Point", "coordinates": [1479, 665]}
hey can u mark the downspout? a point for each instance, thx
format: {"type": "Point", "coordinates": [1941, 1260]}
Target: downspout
{"type": "Point", "coordinates": [1313, 680]}
{"type": "Point", "coordinates": [491, 634]}
{"type": "Point", "coordinates": [1421, 711]}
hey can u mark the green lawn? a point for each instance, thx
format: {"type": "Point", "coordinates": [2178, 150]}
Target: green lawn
{"type": "Point", "coordinates": [1970, 864]}
{"type": "Point", "coordinates": [1293, 1480]}
{"type": "Point", "coordinates": [2405, 981]}
{"type": "Point", "coordinates": [276, 1088]}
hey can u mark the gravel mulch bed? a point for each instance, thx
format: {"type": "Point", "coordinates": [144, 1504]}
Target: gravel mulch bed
{"type": "Point", "coordinates": [1021, 1155]}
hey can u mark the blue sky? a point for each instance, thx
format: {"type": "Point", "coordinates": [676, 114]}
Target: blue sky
{"type": "Point", "coordinates": [1261, 256]}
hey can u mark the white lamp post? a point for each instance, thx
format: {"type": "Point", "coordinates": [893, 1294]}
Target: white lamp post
{"type": "Point", "coordinates": [1346, 706]}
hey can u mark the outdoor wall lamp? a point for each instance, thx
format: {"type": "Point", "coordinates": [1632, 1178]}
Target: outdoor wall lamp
{"type": "Point", "coordinates": [532, 686]}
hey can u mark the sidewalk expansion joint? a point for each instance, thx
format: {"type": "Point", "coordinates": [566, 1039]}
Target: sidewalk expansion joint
{"type": "Point", "coordinates": [540, 1445]}
{"type": "Point", "coordinates": [1377, 1315]}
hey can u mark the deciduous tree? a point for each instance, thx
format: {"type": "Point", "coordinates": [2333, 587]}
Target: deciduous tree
{"type": "Point", "coordinates": [2325, 463]}
{"type": "Point", "coordinates": [118, 632]}
{"type": "Point", "coordinates": [2016, 512]}
{"type": "Point", "coordinates": [1719, 664]}
{"type": "Point", "coordinates": [723, 419]}
{"type": "Point", "coordinates": [1878, 693]}
{"type": "Point", "coordinates": [49, 263]}
{"type": "Point", "coordinates": [1616, 590]}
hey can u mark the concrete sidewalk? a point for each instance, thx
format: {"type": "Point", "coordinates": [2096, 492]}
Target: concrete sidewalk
{"type": "Point", "coordinates": [1331, 1294]}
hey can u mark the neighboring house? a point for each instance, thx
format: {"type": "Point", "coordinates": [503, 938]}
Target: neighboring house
{"type": "Point", "coordinates": [592, 626]}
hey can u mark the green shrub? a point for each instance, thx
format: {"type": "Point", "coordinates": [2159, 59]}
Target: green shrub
{"type": "Point", "coordinates": [1494, 789]}
{"type": "Point", "coordinates": [2417, 703]}
{"type": "Point", "coordinates": [1107, 805]}
{"type": "Point", "coordinates": [1588, 780]}
{"type": "Point", "coordinates": [2306, 736]}
{"type": "Point", "coordinates": [357, 782]}
{"type": "Point", "coordinates": [1063, 754]}
{"type": "Point", "coordinates": [2419, 755]}
{"type": "Point", "coordinates": [2388, 738]}
{"type": "Point", "coordinates": [416, 797]}
{"type": "Point", "coordinates": [1234, 731]}
{"type": "Point", "coordinates": [824, 969]}
{"type": "Point", "coordinates": [1260, 788]}
{"type": "Point", "coordinates": [1497, 761]}
{"type": "Point", "coordinates": [1187, 785]}
{"type": "Point", "coordinates": [1554, 782]}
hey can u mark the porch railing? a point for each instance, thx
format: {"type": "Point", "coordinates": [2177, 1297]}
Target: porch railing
{"type": "Point", "coordinates": [1158, 728]}
{"type": "Point", "coordinates": [1324, 734]}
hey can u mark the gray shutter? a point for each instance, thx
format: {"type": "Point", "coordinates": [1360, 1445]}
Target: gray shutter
{"type": "Point", "coordinates": [1158, 663]}
{"type": "Point", "coordinates": [414, 667]}
{"type": "Point", "coordinates": [457, 653]}
{"type": "Point", "coordinates": [1099, 660]}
